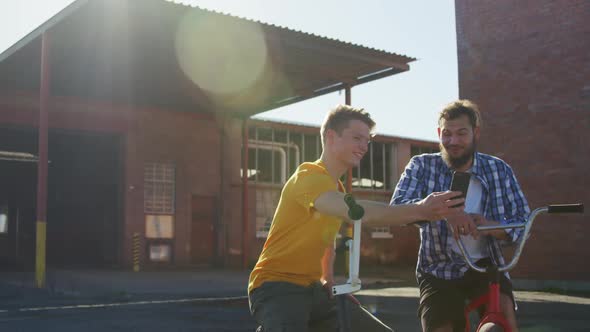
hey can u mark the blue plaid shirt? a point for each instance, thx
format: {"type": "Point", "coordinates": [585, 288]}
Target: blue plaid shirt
{"type": "Point", "coordinates": [502, 200]}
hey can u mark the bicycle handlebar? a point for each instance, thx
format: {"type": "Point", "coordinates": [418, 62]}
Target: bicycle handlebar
{"type": "Point", "coordinates": [556, 208]}
{"type": "Point", "coordinates": [566, 208]}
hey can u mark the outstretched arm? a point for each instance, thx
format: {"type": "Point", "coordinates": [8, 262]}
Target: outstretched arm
{"type": "Point", "coordinates": [435, 206]}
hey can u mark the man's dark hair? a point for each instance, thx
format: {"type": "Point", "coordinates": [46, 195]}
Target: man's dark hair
{"type": "Point", "coordinates": [340, 116]}
{"type": "Point", "coordinates": [458, 108]}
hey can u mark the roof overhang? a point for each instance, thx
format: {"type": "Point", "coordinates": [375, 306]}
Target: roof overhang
{"type": "Point", "coordinates": [127, 52]}
{"type": "Point", "coordinates": [18, 156]}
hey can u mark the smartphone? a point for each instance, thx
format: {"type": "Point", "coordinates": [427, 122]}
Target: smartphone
{"type": "Point", "coordinates": [460, 182]}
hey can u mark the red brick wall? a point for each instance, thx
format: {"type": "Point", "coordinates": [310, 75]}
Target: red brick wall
{"type": "Point", "coordinates": [527, 64]}
{"type": "Point", "coordinates": [192, 143]}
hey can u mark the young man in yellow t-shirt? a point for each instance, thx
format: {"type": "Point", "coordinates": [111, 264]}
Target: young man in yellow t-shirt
{"type": "Point", "coordinates": [290, 286]}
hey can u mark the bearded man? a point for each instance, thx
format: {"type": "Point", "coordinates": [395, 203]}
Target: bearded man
{"type": "Point", "coordinates": [290, 288]}
{"type": "Point", "coordinates": [494, 197]}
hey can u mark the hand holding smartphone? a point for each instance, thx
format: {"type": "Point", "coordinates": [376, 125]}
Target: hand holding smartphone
{"type": "Point", "coordinates": [460, 182]}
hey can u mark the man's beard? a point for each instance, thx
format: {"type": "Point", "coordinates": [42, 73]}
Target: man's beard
{"type": "Point", "coordinates": [462, 160]}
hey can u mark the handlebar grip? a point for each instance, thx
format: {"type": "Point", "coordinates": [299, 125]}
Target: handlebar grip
{"type": "Point", "coordinates": [565, 208]}
{"type": "Point", "coordinates": [349, 200]}
{"type": "Point", "coordinates": [355, 211]}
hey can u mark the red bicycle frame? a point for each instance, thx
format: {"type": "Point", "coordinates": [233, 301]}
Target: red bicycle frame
{"type": "Point", "coordinates": [491, 299]}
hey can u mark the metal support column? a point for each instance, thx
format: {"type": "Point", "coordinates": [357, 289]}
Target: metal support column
{"type": "Point", "coordinates": [40, 257]}
{"type": "Point", "coordinates": [245, 215]}
{"type": "Point", "coordinates": [347, 101]}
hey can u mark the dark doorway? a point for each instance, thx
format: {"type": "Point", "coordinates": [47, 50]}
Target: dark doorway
{"type": "Point", "coordinates": [84, 198]}
{"type": "Point", "coordinates": [18, 181]}
{"type": "Point", "coordinates": [202, 229]}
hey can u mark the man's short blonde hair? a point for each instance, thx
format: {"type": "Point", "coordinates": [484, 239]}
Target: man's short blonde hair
{"type": "Point", "coordinates": [340, 116]}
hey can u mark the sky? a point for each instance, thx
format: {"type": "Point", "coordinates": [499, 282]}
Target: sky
{"type": "Point", "coordinates": [403, 105]}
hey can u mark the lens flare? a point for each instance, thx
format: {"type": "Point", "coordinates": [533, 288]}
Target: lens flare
{"type": "Point", "coordinates": [220, 55]}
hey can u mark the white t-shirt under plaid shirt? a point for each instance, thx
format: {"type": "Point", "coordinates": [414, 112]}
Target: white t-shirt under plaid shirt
{"type": "Point", "coordinates": [502, 201]}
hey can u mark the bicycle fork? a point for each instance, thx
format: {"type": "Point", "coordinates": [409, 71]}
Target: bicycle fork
{"type": "Point", "coordinates": [491, 301]}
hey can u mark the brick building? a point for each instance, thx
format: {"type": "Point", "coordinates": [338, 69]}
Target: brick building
{"type": "Point", "coordinates": [145, 135]}
{"type": "Point", "coordinates": [527, 65]}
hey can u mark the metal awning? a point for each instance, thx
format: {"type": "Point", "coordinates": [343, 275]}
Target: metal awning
{"type": "Point", "coordinates": [127, 52]}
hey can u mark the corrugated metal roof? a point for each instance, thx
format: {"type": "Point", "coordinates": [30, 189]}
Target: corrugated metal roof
{"type": "Point", "coordinates": [301, 125]}
{"type": "Point", "coordinates": [124, 52]}
{"type": "Point", "coordinates": [188, 3]}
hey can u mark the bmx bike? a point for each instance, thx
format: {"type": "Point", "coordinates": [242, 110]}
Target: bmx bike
{"type": "Point", "coordinates": [492, 318]}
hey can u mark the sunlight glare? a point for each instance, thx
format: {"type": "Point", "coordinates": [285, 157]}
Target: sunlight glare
{"type": "Point", "coordinates": [218, 55]}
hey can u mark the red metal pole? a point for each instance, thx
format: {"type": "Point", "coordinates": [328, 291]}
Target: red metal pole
{"type": "Point", "coordinates": [42, 164]}
{"type": "Point", "coordinates": [348, 230]}
{"type": "Point", "coordinates": [347, 101]}
{"type": "Point", "coordinates": [245, 219]}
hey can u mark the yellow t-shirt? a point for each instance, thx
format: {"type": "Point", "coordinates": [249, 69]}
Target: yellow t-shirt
{"type": "Point", "coordinates": [299, 234]}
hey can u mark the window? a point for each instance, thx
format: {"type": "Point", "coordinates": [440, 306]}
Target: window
{"type": "Point", "coordinates": [160, 253]}
{"type": "Point", "coordinates": [273, 154]}
{"type": "Point", "coordinates": [381, 232]}
{"type": "Point", "coordinates": [159, 186]}
{"type": "Point", "coordinates": [159, 206]}
{"type": "Point", "coordinates": [377, 169]}
{"type": "Point", "coordinates": [311, 147]}
{"type": "Point", "coordinates": [267, 200]}
{"type": "Point", "coordinates": [159, 227]}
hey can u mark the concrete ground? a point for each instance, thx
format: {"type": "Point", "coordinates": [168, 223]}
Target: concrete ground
{"type": "Point", "coordinates": [537, 311]}
{"type": "Point", "coordinates": [99, 300]}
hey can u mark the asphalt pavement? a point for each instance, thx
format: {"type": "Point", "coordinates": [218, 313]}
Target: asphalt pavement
{"type": "Point", "coordinates": [215, 300]}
